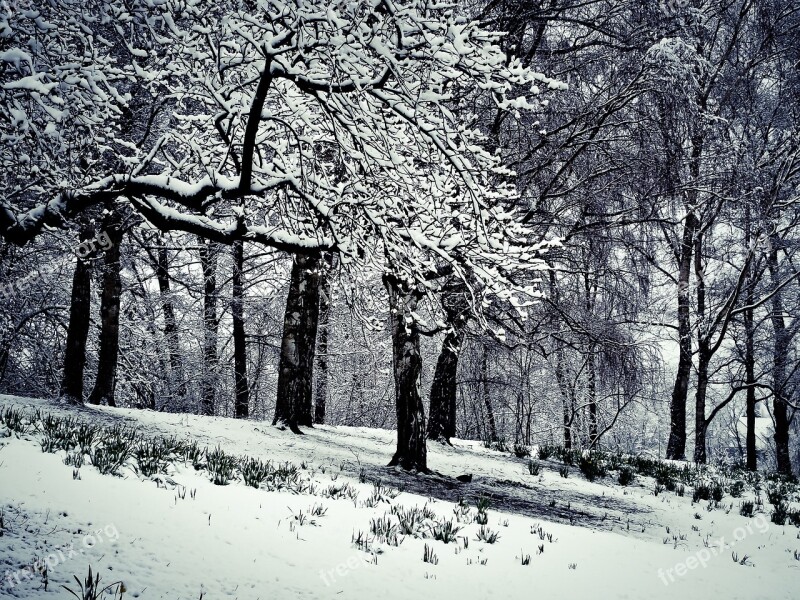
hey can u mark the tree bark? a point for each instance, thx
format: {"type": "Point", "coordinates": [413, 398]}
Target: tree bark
{"type": "Point", "coordinates": [442, 421]}
{"type": "Point", "coordinates": [78, 330]}
{"type": "Point", "coordinates": [170, 324]}
{"type": "Point", "coordinates": [703, 357]}
{"type": "Point", "coordinates": [779, 355]}
{"type": "Point", "coordinates": [293, 407]}
{"type": "Point", "coordinates": [411, 451]}
{"type": "Point", "coordinates": [106, 381]}
{"type": "Point", "coordinates": [242, 408]}
{"type": "Point", "coordinates": [442, 417]}
{"type": "Point", "coordinates": [592, 391]}
{"type": "Point", "coordinates": [487, 401]}
{"type": "Point", "coordinates": [321, 369]}
{"type": "Point", "coordinates": [208, 262]}
{"type": "Point", "coordinates": [676, 446]}
{"type": "Point", "coordinates": [750, 359]}
{"type": "Point", "coordinates": [700, 423]}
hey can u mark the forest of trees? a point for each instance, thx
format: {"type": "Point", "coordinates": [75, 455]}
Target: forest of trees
{"type": "Point", "coordinates": [520, 221]}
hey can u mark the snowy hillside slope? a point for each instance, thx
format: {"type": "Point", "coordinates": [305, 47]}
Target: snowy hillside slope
{"type": "Point", "coordinates": [179, 536]}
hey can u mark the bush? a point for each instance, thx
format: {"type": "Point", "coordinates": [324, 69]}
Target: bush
{"type": "Point", "coordinates": [592, 466]}
{"type": "Point", "coordinates": [736, 489]}
{"type": "Point", "coordinates": [626, 476]}
{"type": "Point", "coordinates": [563, 471]}
{"type": "Point", "coordinates": [221, 466]}
{"type": "Point", "coordinates": [521, 451]}
{"type": "Point", "coordinates": [780, 513]}
{"type": "Point", "coordinates": [747, 508]}
{"type": "Point", "coordinates": [487, 535]}
{"type": "Point", "coordinates": [115, 449]}
{"type": "Point", "coordinates": [707, 491]}
{"type": "Point", "coordinates": [777, 493]}
{"type": "Point", "coordinates": [385, 531]}
{"type": "Point", "coordinates": [254, 471]}
{"type": "Point", "coordinates": [533, 467]}
{"type": "Point", "coordinates": [14, 419]}
{"type": "Point", "coordinates": [546, 451]}
{"type": "Point", "coordinates": [151, 457]}
{"type": "Point", "coordinates": [445, 531]}
{"type": "Point", "coordinates": [794, 518]}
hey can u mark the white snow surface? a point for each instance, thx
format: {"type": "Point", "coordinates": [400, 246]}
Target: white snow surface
{"type": "Point", "coordinates": [238, 542]}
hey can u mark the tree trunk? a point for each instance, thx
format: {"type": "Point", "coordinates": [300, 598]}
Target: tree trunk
{"type": "Point", "coordinates": [750, 361]}
{"type": "Point", "coordinates": [442, 418]}
{"type": "Point", "coordinates": [170, 325]}
{"type": "Point", "coordinates": [487, 401]}
{"type": "Point", "coordinates": [296, 369]}
{"type": "Point", "coordinates": [242, 409]}
{"type": "Point", "coordinates": [703, 357]}
{"type": "Point", "coordinates": [676, 446]}
{"type": "Point", "coordinates": [321, 370]}
{"type": "Point", "coordinates": [442, 421]}
{"type": "Point", "coordinates": [78, 331]}
{"type": "Point", "coordinates": [561, 379]}
{"type": "Point", "coordinates": [700, 423]}
{"type": "Point", "coordinates": [780, 351]}
{"type": "Point", "coordinates": [592, 385]}
{"type": "Point", "coordinates": [411, 451]}
{"type": "Point", "coordinates": [208, 262]}
{"type": "Point", "coordinates": [106, 381]}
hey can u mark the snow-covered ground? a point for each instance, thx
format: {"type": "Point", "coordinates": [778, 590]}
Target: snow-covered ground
{"type": "Point", "coordinates": [182, 537]}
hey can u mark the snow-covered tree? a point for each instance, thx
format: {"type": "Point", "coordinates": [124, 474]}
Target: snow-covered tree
{"type": "Point", "coordinates": [303, 125]}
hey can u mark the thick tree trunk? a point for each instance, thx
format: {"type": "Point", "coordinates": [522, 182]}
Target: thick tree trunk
{"type": "Point", "coordinates": [78, 331]}
{"type": "Point", "coordinates": [321, 369]}
{"type": "Point", "coordinates": [442, 417]}
{"type": "Point", "coordinates": [242, 408]}
{"type": "Point", "coordinates": [208, 262]}
{"type": "Point", "coordinates": [411, 451]}
{"type": "Point", "coordinates": [170, 326]}
{"type": "Point", "coordinates": [779, 355]}
{"type": "Point", "coordinates": [676, 446]}
{"type": "Point", "coordinates": [293, 407]}
{"type": "Point", "coordinates": [106, 381]}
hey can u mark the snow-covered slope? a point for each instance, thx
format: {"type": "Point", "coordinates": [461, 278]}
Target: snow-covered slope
{"type": "Point", "coordinates": [180, 536]}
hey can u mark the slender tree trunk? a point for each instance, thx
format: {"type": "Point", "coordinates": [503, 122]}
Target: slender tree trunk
{"type": "Point", "coordinates": [676, 446]}
{"type": "Point", "coordinates": [411, 451]}
{"type": "Point", "coordinates": [750, 360]}
{"type": "Point", "coordinates": [208, 262]}
{"type": "Point", "coordinates": [242, 410]}
{"type": "Point", "coordinates": [563, 387]}
{"type": "Point", "coordinates": [592, 390]}
{"type": "Point", "coordinates": [321, 369]}
{"type": "Point", "coordinates": [293, 406]}
{"type": "Point", "coordinates": [78, 331]}
{"type": "Point", "coordinates": [170, 325]}
{"type": "Point", "coordinates": [703, 356]}
{"type": "Point", "coordinates": [106, 381]}
{"type": "Point", "coordinates": [700, 423]}
{"type": "Point", "coordinates": [487, 401]}
{"type": "Point", "coordinates": [779, 355]}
